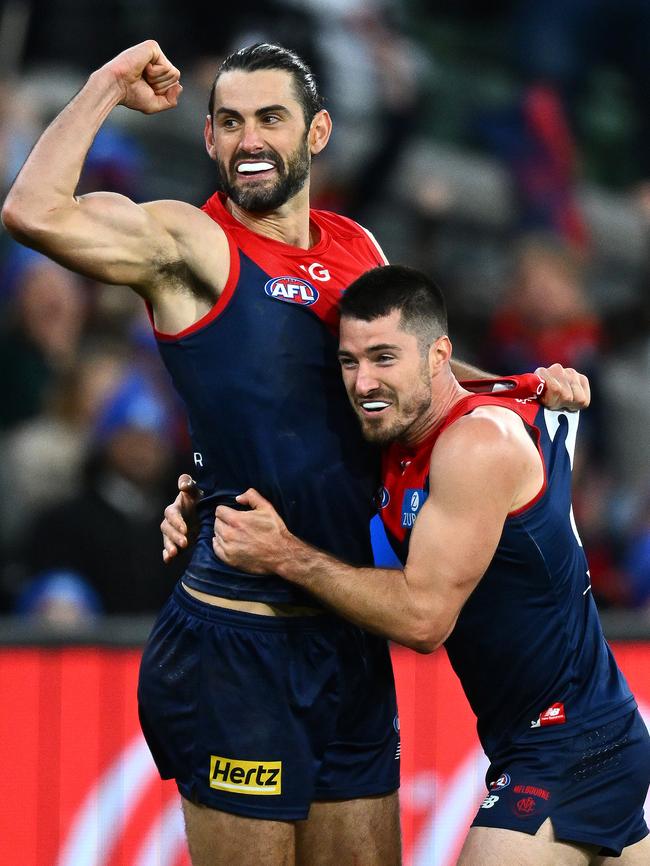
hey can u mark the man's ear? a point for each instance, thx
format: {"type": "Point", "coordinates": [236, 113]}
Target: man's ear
{"type": "Point", "coordinates": [320, 130]}
{"type": "Point", "coordinates": [208, 136]}
{"type": "Point", "coordinates": [439, 354]}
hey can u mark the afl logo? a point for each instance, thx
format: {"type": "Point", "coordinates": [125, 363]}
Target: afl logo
{"type": "Point", "coordinates": [382, 497]}
{"type": "Point", "coordinates": [293, 290]}
{"type": "Point", "coordinates": [502, 782]}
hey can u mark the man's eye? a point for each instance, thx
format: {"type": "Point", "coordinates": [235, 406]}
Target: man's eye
{"type": "Point", "coordinates": [271, 118]}
{"type": "Point", "coordinates": [347, 363]}
{"type": "Point", "coordinates": [385, 359]}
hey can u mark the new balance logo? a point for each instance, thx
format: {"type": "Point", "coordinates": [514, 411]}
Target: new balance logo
{"type": "Point", "coordinates": [245, 777]}
{"type": "Point", "coordinates": [490, 801]}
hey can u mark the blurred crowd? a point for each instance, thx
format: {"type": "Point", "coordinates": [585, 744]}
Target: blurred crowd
{"type": "Point", "coordinates": [502, 147]}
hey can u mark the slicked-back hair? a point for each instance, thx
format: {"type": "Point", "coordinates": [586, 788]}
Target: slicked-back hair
{"type": "Point", "coordinates": [264, 55]}
{"type": "Point", "coordinates": [418, 299]}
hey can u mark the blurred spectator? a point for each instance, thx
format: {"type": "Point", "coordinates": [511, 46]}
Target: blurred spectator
{"type": "Point", "coordinates": [636, 558]}
{"type": "Point", "coordinates": [558, 44]}
{"type": "Point", "coordinates": [545, 317]}
{"type": "Point", "coordinates": [109, 534]}
{"type": "Point", "coordinates": [61, 600]}
{"type": "Point", "coordinates": [534, 140]}
{"type": "Point", "coordinates": [42, 330]}
{"type": "Point", "coordinates": [44, 456]}
{"type": "Point", "coordinates": [114, 164]}
{"type": "Point", "coordinates": [596, 503]}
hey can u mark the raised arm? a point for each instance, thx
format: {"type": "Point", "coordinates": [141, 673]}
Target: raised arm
{"type": "Point", "coordinates": [483, 467]}
{"type": "Point", "coordinates": [104, 235]}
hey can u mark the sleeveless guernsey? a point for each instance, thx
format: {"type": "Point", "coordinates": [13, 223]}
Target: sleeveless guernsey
{"type": "Point", "coordinates": [261, 383]}
{"type": "Point", "coordinates": [528, 646]}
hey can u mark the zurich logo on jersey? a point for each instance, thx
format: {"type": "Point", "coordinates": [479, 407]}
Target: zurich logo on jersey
{"type": "Point", "coordinates": [412, 502]}
{"type": "Point", "coordinates": [293, 290]}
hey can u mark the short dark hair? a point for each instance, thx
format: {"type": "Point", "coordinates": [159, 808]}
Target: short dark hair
{"type": "Point", "coordinates": [264, 55]}
{"type": "Point", "coordinates": [382, 290]}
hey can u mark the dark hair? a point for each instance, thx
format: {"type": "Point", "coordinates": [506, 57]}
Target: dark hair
{"type": "Point", "coordinates": [263, 55]}
{"type": "Point", "coordinates": [394, 287]}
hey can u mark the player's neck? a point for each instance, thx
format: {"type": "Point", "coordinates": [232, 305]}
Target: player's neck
{"type": "Point", "coordinates": [445, 394]}
{"type": "Point", "coordinates": [288, 224]}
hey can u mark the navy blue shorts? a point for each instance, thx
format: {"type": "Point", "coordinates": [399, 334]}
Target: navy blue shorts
{"type": "Point", "coordinates": [592, 786]}
{"type": "Point", "coordinates": [261, 715]}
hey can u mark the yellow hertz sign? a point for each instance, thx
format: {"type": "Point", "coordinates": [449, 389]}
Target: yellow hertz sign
{"type": "Point", "coordinates": [245, 777]}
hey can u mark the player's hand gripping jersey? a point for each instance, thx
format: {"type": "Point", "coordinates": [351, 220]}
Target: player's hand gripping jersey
{"type": "Point", "coordinates": [528, 646]}
{"type": "Point", "coordinates": [267, 409]}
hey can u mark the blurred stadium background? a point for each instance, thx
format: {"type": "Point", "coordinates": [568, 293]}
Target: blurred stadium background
{"type": "Point", "coordinates": [504, 148]}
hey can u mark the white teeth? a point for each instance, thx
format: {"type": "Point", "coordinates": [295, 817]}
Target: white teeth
{"type": "Point", "coordinates": [374, 406]}
{"type": "Point", "coordinates": [250, 167]}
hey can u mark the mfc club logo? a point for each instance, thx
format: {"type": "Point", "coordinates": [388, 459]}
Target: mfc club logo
{"type": "Point", "coordinates": [412, 502]}
{"type": "Point", "coordinates": [292, 290]}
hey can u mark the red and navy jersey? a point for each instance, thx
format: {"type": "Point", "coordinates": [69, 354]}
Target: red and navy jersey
{"type": "Point", "coordinates": [261, 383]}
{"type": "Point", "coordinates": [527, 647]}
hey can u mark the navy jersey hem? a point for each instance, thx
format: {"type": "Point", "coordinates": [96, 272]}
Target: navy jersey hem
{"type": "Point", "coordinates": [265, 813]}
{"type": "Point", "coordinates": [354, 793]}
{"type": "Point", "coordinates": [244, 619]}
{"type": "Point", "coordinates": [273, 813]}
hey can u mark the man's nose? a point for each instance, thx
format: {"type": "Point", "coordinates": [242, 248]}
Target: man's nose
{"type": "Point", "coordinates": [366, 383]}
{"type": "Point", "coordinates": [252, 141]}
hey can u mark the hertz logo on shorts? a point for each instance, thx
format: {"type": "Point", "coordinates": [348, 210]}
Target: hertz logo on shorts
{"type": "Point", "coordinates": [245, 777]}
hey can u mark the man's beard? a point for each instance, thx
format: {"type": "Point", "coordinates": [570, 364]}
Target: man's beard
{"type": "Point", "coordinates": [263, 197]}
{"type": "Point", "coordinates": [411, 412]}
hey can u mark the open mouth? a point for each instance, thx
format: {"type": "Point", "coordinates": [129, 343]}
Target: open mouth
{"type": "Point", "coordinates": [374, 407]}
{"type": "Point", "coordinates": [255, 169]}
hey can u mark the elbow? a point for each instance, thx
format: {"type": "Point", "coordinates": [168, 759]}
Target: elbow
{"type": "Point", "coordinates": [26, 221]}
{"type": "Point", "coordinates": [425, 645]}
{"type": "Point", "coordinates": [11, 218]}
{"type": "Point", "coordinates": [423, 648]}
{"type": "Point", "coordinates": [16, 220]}
{"type": "Point", "coordinates": [422, 636]}
{"type": "Point", "coordinates": [428, 630]}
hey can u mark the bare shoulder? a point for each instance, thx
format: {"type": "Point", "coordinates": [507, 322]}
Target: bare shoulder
{"type": "Point", "coordinates": [179, 216]}
{"type": "Point", "coordinates": [188, 224]}
{"type": "Point", "coordinates": [485, 428]}
{"type": "Point", "coordinates": [491, 440]}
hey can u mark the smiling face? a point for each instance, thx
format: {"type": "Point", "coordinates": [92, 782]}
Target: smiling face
{"type": "Point", "coordinates": [258, 138]}
{"type": "Point", "coordinates": [387, 378]}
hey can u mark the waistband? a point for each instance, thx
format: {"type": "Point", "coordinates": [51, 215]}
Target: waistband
{"type": "Point", "coordinates": [228, 616]}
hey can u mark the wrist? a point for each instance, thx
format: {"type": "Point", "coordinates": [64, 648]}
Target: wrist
{"type": "Point", "coordinates": [106, 82]}
{"type": "Point", "coordinates": [288, 558]}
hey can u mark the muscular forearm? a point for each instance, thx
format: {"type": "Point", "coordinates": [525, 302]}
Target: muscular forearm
{"type": "Point", "coordinates": [48, 180]}
{"type": "Point", "coordinates": [377, 599]}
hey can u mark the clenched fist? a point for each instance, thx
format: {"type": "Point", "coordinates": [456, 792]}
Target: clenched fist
{"type": "Point", "coordinates": [148, 81]}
